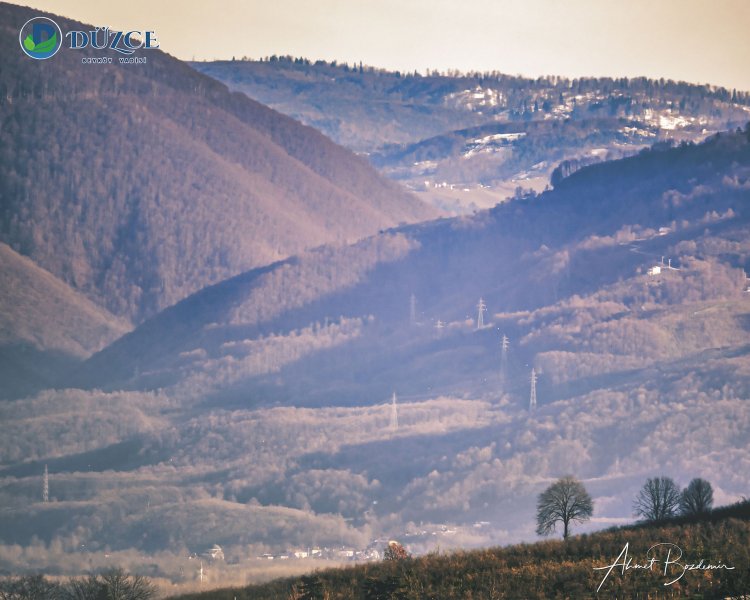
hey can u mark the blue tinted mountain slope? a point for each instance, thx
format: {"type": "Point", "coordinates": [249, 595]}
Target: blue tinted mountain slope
{"type": "Point", "coordinates": [600, 226]}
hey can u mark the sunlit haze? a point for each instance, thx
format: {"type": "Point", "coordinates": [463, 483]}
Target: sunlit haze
{"type": "Point", "coordinates": [691, 40]}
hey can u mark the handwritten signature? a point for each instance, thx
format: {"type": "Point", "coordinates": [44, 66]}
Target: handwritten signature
{"type": "Point", "coordinates": [672, 563]}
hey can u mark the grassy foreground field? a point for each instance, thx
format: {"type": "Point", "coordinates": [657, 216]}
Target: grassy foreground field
{"type": "Point", "coordinates": [706, 558]}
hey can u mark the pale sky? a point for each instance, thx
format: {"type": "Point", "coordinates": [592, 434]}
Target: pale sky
{"type": "Point", "coordinates": [701, 41]}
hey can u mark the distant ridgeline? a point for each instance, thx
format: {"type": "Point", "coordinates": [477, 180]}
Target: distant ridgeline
{"type": "Point", "coordinates": [471, 140]}
{"type": "Point", "coordinates": [420, 84]}
{"type": "Point", "coordinates": [343, 101]}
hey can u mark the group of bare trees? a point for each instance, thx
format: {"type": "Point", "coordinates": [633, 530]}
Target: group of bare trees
{"type": "Point", "coordinates": [660, 498]}
{"type": "Point", "coordinates": [566, 501]}
{"type": "Point", "coordinates": [110, 585]}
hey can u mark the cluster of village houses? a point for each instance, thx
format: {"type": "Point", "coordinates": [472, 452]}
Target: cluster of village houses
{"type": "Point", "coordinates": [343, 553]}
{"type": "Point", "coordinates": [373, 552]}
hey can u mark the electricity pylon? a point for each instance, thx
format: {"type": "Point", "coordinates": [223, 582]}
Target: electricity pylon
{"type": "Point", "coordinates": [394, 414]}
{"type": "Point", "coordinates": [481, 309]}
{"type": "Point", "coordinates": [504, 360]}
{"type": "Point", "coordinates": [45, 485]}
{"type": "Point", "coordinates": [439, 326]}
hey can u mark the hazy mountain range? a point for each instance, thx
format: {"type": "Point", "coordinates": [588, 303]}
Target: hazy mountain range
{"type": "Point", "coordinates": [207, 309]}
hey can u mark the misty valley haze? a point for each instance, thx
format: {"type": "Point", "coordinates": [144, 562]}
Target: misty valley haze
{"type": "Point", "coordinates": [240, 350]}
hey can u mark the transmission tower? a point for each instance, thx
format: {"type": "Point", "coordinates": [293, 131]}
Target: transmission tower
{"type": "Point", "coordinates": [532, 398]}
{"type": "Point", "coordinates": [481, 309]}
{"type": "Point", "coordinates": [439, 326]}
{"type": "Point", "coordinates": [413, 310]}
{"type": "Point", "coordinates": [504, 359]}
{"type": "Point", "coordinates": [394, 414]}
{"type": "Point", "coordinates": [45, 485]}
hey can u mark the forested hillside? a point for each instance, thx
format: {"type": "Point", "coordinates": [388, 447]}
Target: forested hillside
{"type": "Point", "coordinates": [138, 185]}
{"type": "Point", "coordinates": [259, 414]}
{"type": "Point", "coordinates": [590, 240]}
{"type": "Point", "coordinates": [469, 140]}
{"type": "Point", "coordinates": [364, 107]}
{"type": "Point", "coordinates": [45, 326]}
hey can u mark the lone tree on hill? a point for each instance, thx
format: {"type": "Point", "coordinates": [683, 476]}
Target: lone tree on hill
{"type": "Point", "coordinates": [658, 499]}
{"type": "Point", "coordinates": [697, 498]}
{"type": "Point", "coordinates": [565, 501]}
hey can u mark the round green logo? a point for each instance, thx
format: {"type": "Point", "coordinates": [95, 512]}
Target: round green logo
{"type": "Point", "coordinates": [40, 38]}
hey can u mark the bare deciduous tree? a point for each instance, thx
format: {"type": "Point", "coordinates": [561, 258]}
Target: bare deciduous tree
{"type": "Point", "coordinates": [658, 499]}
{"type": "Point", "coordinates": [566, 501]}
{"type": "Point", "coordinates": [82, 589]}
{"type": "Point", "coordinates": [395, 551]}
{"type": "Point", "coordinates": [697, 498]}
{"type": "Point", "coordinates": [114, 584]}
{"type": "Point", "coordinates": [30, 587]}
